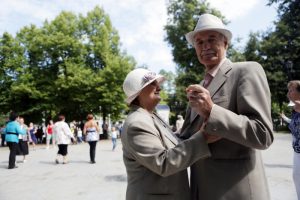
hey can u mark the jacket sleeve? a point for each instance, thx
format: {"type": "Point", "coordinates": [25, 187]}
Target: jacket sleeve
{"type": "Point", "coordinates": [251, 125]}
{"type": "Point", "coordinates": [147, 147]}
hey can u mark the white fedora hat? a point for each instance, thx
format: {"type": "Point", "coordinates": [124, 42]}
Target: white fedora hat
{"type": "Point", "coordinates": [138, 79]}
{"type": "Point", "coordinates": [208, 22]}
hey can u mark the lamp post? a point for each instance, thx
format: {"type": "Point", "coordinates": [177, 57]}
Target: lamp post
{"type": "Point", "coordinates": [289, 69]}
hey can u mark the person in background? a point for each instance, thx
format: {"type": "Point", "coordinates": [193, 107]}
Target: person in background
{"type": "Point", "coordinates": [23, 140]}
{"type": "Point", "coordinates": [294, 125]}
{"type": "Point", "coordinates": [120, 126]}
{"type": "Point", "coordinates": [40, 134]}
{"type": "Point", "coordinates": [105, 129]}
{"type": "Point", "coordinates": [32, 131]}
{"type": "Point", "coordinates": [90, 130]}
{"type": "Point", "coordinates": [114, 136]}
{"type": "Point", "coordinates": [233, 106]}
{"type": "Point", "coordinates": [79, 134]}
{"type": "Point", "coordinates": [2, 135]}
{"type": "Point", "coordinates": [12, 130]}
{"type": "Point", "coordinates": [63, 138]}
{"type": "Point", "coordinates": [49, 132]}
{"type": "Point", "coordinates": [73, 128]}
{"type": "Point", "coordinates": [179, 123]}
{"type": "Point", "coordinates": [155, 159]}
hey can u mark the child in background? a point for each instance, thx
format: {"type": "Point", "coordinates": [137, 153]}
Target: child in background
{"type": "Point", "coordinates": [79, 135]}
{"type": "Point", "coordinates": [114, 135]}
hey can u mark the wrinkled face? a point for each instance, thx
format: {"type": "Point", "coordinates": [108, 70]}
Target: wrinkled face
{"type": "Point", "coordinates": [149, 97]}
{"type": "Point", "coordinates": [210, 47]}
{"type": "Point", "coordinates": [293, 94]}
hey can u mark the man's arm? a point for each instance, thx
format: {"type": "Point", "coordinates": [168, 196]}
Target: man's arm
{"type": "Point", "coordinates": [251, 125]}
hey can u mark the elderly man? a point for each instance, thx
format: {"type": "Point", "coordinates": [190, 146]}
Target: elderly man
{"type": "Point", "coordinates": [232, 106]}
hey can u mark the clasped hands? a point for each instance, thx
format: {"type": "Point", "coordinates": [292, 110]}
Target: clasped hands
{"type": "Point", "coordinates": [201, 102]}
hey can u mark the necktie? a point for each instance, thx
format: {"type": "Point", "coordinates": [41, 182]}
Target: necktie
{"type": "Point", "coordinates": [207, 79]}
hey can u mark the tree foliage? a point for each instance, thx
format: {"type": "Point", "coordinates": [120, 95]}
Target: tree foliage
{"type": "Point", "coordinates": [72, 64]}
{"type": "Point", "coordinates": [281, 48]}
{"type": "Point", "coordinates": [278, 49]}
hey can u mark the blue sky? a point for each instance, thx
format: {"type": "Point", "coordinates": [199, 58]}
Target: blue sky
{"type": "Point", "coordinates": [139, 22]}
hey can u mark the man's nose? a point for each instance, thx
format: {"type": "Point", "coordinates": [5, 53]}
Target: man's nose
{"type": "Point", "coordinates": [206, 45]}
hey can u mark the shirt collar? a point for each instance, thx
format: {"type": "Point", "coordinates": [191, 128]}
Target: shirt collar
{"type": "Point", "coordinates": [214, 70]}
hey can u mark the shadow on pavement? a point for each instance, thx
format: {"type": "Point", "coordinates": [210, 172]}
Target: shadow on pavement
{"type": "Point", "coordinates": [117, 178]}
{"type": "Point", "coordinates": [3, 166]}
{"type": "Point", "coordinates": [278, 166]}
{"type": "Point", "coordinates": [69, 162]}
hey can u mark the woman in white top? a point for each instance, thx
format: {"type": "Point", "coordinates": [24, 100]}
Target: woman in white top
{"type": "Point", "coordinates": [23, 140]}
{"type": "Point", "coordinates": [63, 138]}
{"type": "Point", "coordinates": [90, 131]}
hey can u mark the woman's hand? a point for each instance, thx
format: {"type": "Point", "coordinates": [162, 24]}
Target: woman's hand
{"type": "Point", "coordinates": [297, 106]}
{"type": "Point", "coordinates": [208, 137]}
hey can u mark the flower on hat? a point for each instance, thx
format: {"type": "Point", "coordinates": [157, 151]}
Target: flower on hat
{"type": "Point", "coordinates": [148, 77]}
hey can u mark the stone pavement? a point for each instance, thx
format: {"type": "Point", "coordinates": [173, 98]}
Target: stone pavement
{"type": "Point", "coordinates": [278, 160]}
{"type": "Point", "coordinates": [39, 178]}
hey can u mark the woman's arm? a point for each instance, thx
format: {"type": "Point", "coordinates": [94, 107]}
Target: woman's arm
{"type": "Point", "coordinates": [84, 128]}
{"type": "Point", "coordinates": [147, 147]}
{"type": "Point", "coordinates": [285, 118]}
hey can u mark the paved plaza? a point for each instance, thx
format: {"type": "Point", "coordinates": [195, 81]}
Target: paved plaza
{"type": "Point", "coordinates": [40, 178]}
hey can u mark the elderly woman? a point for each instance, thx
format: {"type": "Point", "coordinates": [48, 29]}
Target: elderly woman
{"type": "Point", "coordinates": [12, 131]}
{"type": "Point", "coordinates": [91, 132]}
{"type": "Point", "coordinates": [294, 125]}
{"type": "Point", "coordinates": [155, 159]}
{"type": "Point", "coordinates": [63, 138]}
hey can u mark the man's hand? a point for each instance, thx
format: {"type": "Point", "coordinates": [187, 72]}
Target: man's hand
{"type": "Point", "coordinates": [200, 100]}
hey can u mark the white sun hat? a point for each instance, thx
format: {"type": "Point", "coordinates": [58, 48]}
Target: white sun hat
{"type": "Point", "coordinates": [208, 22]}
{"type": "Point", "coordinates": [138, 79]}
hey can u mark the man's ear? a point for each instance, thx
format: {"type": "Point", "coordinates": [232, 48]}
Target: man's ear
{"type": "Point", "coordinates": [226, 44]}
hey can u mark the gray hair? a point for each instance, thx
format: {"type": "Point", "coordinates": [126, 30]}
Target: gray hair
{"type": "Point", "coordinates": [294, 83]}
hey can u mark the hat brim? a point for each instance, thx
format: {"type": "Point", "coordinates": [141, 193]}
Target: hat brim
{"type": "Point", "coordinates": [159, 79]}
{"type": "Point", "coordinates": [190, 36]}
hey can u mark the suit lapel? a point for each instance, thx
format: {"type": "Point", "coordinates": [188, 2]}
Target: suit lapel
{"type": "Point", "coordinates": [216, 83]}
{"type": "Point", "coordinates": [164, 129]}
{"type": "Point", "coordinates": [220, 78]}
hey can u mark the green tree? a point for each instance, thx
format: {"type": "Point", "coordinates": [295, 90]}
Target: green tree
{"type": "Point", "coordinates": [280, 49]}
{"type": "Point", "coordinates": [72, 64]}
{"type": "Point", "coordinates": [253, 48]}
{"type": "Point", "coordinates": [11, 60]}
{"type": "Point", "coordinates": [169, 84]}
